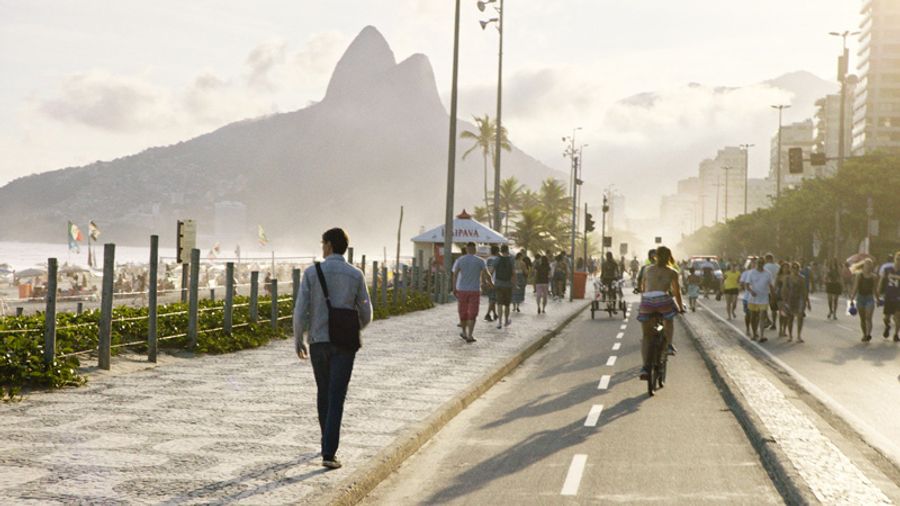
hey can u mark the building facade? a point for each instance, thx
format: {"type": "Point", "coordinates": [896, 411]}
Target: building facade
{"type": "Point", "coordinates": [796, 135]}
{"type": "Point", "coordinates": [876, 114]}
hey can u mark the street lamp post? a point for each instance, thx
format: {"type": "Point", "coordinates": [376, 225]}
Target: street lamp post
{"type": "Point", "coordinates": [726, 169]}
{"type": "Point", "coordinates": [574, 156]}
{"type": "Point", "coordinates": [497, 148]}
{"type": "Point", "coordinates": [746, 148]}
{"type": "Point", "coordinates": [843, 61]}
{"type": "Point", "coordinates": [451, 159]}
{"type": "Point", "coordinates": [781, 109]}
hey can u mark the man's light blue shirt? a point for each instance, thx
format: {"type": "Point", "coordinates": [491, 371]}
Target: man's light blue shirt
{"type": "Point", "coordinates": [346, 288]}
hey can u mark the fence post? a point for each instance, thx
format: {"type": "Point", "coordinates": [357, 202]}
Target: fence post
{"type": "Point", "coordinates": [395, 294]}
{"type": "Point", "coordinates": [50, 315]}
{"type": "Point", "coordinates": [254, 296]}
{"type": "Point", "coordinates": [229, 297]}
{"type": "Point", "coordinates": [421, 270]}
{"type": "Point", "coordinates": [184, 282]}
{"type": "Point", "coordinates": [106, 305]}
{"type": "Point", "coordinates": [212, 294]}
{"type": "Point", "coordinates": [20, 310]}
{"type": "Point", "coordinates": [350, 255]}
{"type": "Point", "coordinates": [295, 287]}
{"type": "Point", "coordinates": [151, 299]}
{"type": "Point", "coordinates": [384, 285]}
{"type": "Point", "coordinates": [374, 296]}
{"type": "Point", "coordinates": [363, 264]}
{"type": "Point", "coordinates": [79, 307]}
{"type": "Point", "coordinates": [274, 301]}
{"type": "Point", "coordinates": [193, 298]}
{"type": "Point", "coordinates": [405, 282]}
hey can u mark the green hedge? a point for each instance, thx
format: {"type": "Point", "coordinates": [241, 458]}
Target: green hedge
{"type": "Point", "coordinates": [21, 353]}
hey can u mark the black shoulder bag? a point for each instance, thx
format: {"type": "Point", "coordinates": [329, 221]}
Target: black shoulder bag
{"type": "Point", "coordinates": [343, 324]}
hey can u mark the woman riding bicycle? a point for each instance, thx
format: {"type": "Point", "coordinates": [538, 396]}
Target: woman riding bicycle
{"type": "Point", "coordinates": [659, 282]}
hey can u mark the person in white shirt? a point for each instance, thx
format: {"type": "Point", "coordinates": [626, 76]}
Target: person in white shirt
{"type": "Point", "coordinates": [759, 283]}
{"type": "Point", "coordinates": [772, 268]}
{"type": "Point", "coordinates": [745, 298]}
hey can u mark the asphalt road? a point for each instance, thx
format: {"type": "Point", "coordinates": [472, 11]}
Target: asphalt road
{"type": "Point", "coordinates": [861, 379]}
{"type": "Point", "coordinates": [573, 425]}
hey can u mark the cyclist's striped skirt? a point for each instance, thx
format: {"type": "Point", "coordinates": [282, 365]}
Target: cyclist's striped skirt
{"type": "Point", "coordinates": [661, 304]}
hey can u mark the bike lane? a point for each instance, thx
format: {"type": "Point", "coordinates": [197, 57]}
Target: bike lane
{"type": "Point", "coordinates": [575, 425]}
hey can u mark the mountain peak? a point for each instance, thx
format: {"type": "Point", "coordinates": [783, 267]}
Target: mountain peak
{"type": "Point", "coordinates": [364, 61]}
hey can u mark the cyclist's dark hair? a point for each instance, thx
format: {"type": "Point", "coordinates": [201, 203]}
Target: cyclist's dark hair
{"type": "Point", "coordinates": [651, 253]}
{"type": "Point", "coordinates": [663, 256]}
{"type": "Point", "coordinates": [495, 249]}
{"type": "Point", "coordinates": [338, 238]}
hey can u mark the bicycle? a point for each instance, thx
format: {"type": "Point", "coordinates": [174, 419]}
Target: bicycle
{"type": "Point", "coordinates": [659, 357]}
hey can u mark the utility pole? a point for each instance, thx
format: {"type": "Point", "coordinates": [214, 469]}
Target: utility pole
{"type": "Point", "coordinates": [575, 163]}
{"type": "Point", "coordinates": [499, 142]}
{"type": "Point", "coordinates": [451, 156]}
{"type": "Point", "coordinates": [781, 109]}
{"type": "Point", "coordinates": [726, 169]}
{"type": "Point", "coordinates": [585, 257]}
{"type": "Point", "coordinates": [746, 148]}
{"type": "Point", "coordinates": [718, 185]}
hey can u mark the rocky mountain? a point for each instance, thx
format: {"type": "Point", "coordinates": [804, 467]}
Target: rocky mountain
{"type": "Point", "coordinates": [376, 141]}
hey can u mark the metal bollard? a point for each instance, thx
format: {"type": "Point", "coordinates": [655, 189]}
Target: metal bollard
{"type": "Point", "coordinates": [374, 295]}
{"type": "Point", "coordinates": [274, 306]}
{"type": "Point", "coordinates": [20, 310]}
{"type": "Point", "coordinates": [212, 294]}
{"type": "Point", "coordinates": [254, 296]}
{"type": "Point", "coordinates": [350, 255]}
{"type": "Point", "coordinates": [405, 282]}
{"type": "Point", "coordinates": [79, 307]}
{"type": "Point", "coordinates": [384, 285]}
{"type": "Point", "coordinates": [229, 298]}
{"type": "Point", "coordinates": [152, 343]}
{"type": "Point", "coordinates": [193, 298]}
{"type": "Point", "coordinates": [50, 314]}
{"type": "Point", "coordinates": [106, 305]}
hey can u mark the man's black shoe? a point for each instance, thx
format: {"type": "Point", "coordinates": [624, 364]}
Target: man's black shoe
{"type": "Point", "coordinates": [332, 463]}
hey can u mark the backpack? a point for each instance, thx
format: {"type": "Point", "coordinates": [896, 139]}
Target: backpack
{"type": "Point", "coordinates": [503, 269]}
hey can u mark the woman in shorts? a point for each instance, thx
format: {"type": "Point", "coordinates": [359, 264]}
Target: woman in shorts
{"type": "Point", "coordinates": [541, 282]}
{"type": "Point", "coordinates": [731, 285]}
{"type": "Point", "coordinates": [693, 282]}
{"type": "Point", "coordinates": [863, 294]}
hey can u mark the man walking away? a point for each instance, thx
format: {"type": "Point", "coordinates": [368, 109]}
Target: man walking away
{"type": "Point", "coordinates": [491, 314]}
{"type": "Point", "coordinates": [759, 284]}
{"type": "Point", "coordinates": [503, 275]}
{"type": "Point", "coordinates": [772, 268]}
{"type": "Point", "coordinates": [890, 288]}
{"type": "Point", "coordinates": [332, 365]}
{"type": "Point", "coordinates": [468, 273]}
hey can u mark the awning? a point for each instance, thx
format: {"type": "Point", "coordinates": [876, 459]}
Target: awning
{"type": "Point", "coordinates": [465, 229]}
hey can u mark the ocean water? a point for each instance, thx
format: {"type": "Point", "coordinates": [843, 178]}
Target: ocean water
{"type": "Point", "coordinates": [22, 255]}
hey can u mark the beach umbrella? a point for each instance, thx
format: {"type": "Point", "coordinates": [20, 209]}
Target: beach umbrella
{"type": "Point", "coordinates": [31, 273]}
{"type": "Point", "coordinates": [72, 269]}
{"type": "Point", "coordinates": [859, 257]}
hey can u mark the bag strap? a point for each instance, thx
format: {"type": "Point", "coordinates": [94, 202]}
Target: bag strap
{"type": "Point", "coordinates": [323, 283]}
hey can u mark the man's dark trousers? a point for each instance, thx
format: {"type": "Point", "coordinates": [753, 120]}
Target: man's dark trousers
{"type": "Point", "coordinates": [332, 368]}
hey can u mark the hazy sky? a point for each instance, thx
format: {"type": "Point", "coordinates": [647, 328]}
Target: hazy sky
{"type": "Point", "coordinates": [86, 79]}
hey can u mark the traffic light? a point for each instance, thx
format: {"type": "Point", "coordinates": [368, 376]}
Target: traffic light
{"type": "Point", "coordinates": [607, 242]}
{"type": "Point", "coordinates": [795, 160]}
{"type": "Point", "coordinates": [588, 222]}
{"type": "Point", "coordinates": [817, 159]}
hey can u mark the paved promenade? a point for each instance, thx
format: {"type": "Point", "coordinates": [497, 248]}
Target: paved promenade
{"type": "Point", "coordinates": [241, 428]}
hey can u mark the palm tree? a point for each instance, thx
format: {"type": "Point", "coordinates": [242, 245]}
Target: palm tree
{"type": "Point", "coordinates": [529, 230]}
{"type": "Point", "coordinates": [510, 198]}
{"type": "Point", "coordinates": [481, 214]}
{"type": "Point", "coordinates": [554, 204]}
{"type": "Point", "coordinates": [485, 138]}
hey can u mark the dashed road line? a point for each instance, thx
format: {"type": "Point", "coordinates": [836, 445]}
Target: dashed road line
{"type": "Point", "coordinates": [573, 477]}
{"type": "Point", "coordinates": [620, 335]}
{"type": "Point", "coordinates": [616, 346]}
{"type": "Point", "coordinates": [593, 415]}
{"type": "Point", "coordinates": [623, 327]}
{"type": "Point", "coordinates": [611, 360]}
{"type": "Point", "coordinates": [604, 382]}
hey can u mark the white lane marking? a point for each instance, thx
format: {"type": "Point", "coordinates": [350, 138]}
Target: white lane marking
{"type": "Point", "coordinates": [593, 415]}
{"type": "Point", "coordinates": [620, 335]}
{"type": "Point", "coordinates": [870, 435]}
{"type": "Point", "coordinates": [611, 360]}
{"type": "Point", "coordinates": [617, 346]}
{"type": "Point", "coordinates": [604, 382]}
{"type": "Point", "coordinates": [623, 327]}
{"type": "Point", "coordinates": [573, 477]}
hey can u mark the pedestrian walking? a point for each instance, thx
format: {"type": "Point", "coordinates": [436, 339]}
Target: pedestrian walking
{"type": "Point", "coordinates": [693, 288]}
{"type": "Point", "coordinates": [332, 295]}
{"type": "Point", "coordinates": [760, 285]}
{"type": "Point", "coordinates": [491, 313]}
{"type": "Point", "coordinates": [504, 272]}
{"type": "Point", "coordinates": [731, 287]}
{"type": "Point", "coordinates": [521, 281]}
{"type": "Point", "coordinates": [772, 268]}
{"type": "Point", "coordinates": [794, 301]}
{"type": "Point", "coordinates": [863, 296]}
{"type": "Point", "coordinates": [745, 296]}
{"type": "Point", "coordinates": [541, 282]}
{"type": "Point", "coordinates": [833, 287]}
{"type": "Point", "coordinates": [469, 273]}
{"type": "Point", "coordinates": [890, 289]}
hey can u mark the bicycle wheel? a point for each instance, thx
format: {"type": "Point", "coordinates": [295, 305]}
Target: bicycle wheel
{"type": "Point", "coordinates": [651, 379]}
{"type": "Point", "coordinates": [663, 364]}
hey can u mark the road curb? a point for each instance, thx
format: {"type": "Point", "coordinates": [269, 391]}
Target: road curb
{"type": "Point", "coordinates": [787, 480]}
{"type": "Point", "coordinates": [354, 488]}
